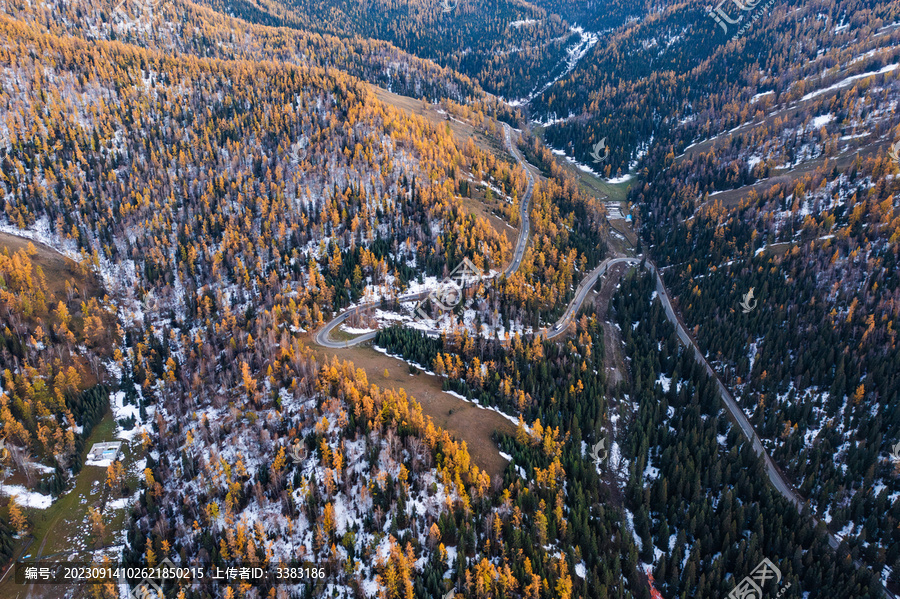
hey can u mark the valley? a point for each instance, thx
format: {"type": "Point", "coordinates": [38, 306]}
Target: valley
{"type": "Point", "coordinates": [473, 299]}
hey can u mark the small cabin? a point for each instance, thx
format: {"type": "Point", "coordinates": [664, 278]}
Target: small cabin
{"type": "Point", "coordinates": [104, 451]}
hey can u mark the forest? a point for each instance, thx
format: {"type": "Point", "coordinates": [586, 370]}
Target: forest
{"type": "Point", "coordinates": [219, 180]}
{"type": "Point", "coordinates": [696, 498]}
{"type": "Point", "coordinates": [662, 83]}
{"type": "Point", "coordinates": [813, 363]}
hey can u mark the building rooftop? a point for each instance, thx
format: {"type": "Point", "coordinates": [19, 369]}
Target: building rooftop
{"type": "Point", "coordinates": [104, 452]}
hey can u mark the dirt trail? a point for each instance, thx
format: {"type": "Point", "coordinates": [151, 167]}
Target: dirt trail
{"type": "Point", "coordinates": [613, 360]}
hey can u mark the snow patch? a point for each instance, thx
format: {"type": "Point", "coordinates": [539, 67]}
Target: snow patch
{"type": "Point", "coordinates": [27, 498]}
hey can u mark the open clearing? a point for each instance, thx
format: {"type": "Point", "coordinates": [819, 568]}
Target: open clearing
{"type": "Point", "coordinates": [479, 205]}
{"type": "Point", "coordinates": [613, 360]}
{"type": "Point", "coordinates": [465, 421]}
{"type": "Point", "coordinates": [462, 131]}
{"type": "Point", "coordinates": [60, 529]}
{"type": "Point", "coordinates": [57, 268]}
{"type": "Point", "coordinates": [626, 239]}
{"type": "Point", "coordinates": [58, 271]}
{"type": "Point", "coordinates": [590, 184]}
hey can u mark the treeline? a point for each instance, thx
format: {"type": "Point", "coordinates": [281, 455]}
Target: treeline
{"type": "Point", "coordinates": [532, 377]}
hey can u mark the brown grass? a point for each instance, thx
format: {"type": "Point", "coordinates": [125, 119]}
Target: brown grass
{"type": "Point", "coordinates": [463, 420]}
{"type": "Point", "coordinates": [617, 245]}
{"type": "Point", "coordinates": [460, 130]}
{"type": "Point", "coordinates": [57, 268]}
{"type": "Point", "coordinates": [479, 206]}
{"type": "Point", "coordinates": [616, 368]}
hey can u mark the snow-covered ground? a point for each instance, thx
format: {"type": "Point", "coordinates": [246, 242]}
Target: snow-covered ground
{"type": "Point", "coordinates": [583, 167]}
{"type": "Point", "coordinates": [27, 498]}
{"type": "Point", "coordinates": [574, 54]}
{"type": "Point", "coordinates": [848, 81]}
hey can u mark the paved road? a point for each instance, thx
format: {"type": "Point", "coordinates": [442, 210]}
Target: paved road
{"type": "Point", "coordinates": [778, 480]}
{"type": "Point", "coordinates": [524, 207]}
{"type": "Point", "coordinates": [323, 337]}
{"type": "Point", "coordinates": [587, 283]}
{"type": "Point", "coordinates": [581, 292]}
{"type": "Point", "coordinates": [775, 475]}
{"type": "Point", "coordinates": [575, 305]}
{"type": "Point", "coordinates": [737, 413]}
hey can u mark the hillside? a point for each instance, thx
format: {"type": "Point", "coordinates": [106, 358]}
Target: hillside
{"type": "Point", "coordinates": [790, 192]}
{"type": "Point", "coordinates": [675, 78]}
{"type": "Point", "coordinates": [507, 47]}
{"type": "Point", "coordinates": [230, 206]}
{"type": "Point", "coordinates": [191, 29]}
{"type": "Point", "coordinates": [228, 231]}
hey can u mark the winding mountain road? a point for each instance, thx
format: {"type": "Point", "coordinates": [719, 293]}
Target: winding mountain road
{"type": "Point", "coordinates": [323, 337]}
{"type": "Point", "coordinates": [587, 283]}
{"type": "Point", "coordinates": [524, 218]}
{"type": "Point", "coordinates": [581, 292]}
{"type": "Point", "coordinates": [737, 413]}
{"type": "Point", "coordinates": [775, 476]}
